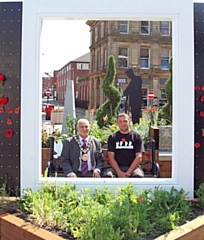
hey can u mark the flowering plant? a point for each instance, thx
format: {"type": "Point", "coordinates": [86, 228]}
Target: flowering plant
{"type": "Point", "coordinates": [151, 115]}
{"type": "Point", "coordinates": [2, 79]}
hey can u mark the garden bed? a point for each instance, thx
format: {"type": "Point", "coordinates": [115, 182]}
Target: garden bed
{"type": "Point", "coordinates": [24, 226]}
{"type": "Point", "coordinates": [23, 229]}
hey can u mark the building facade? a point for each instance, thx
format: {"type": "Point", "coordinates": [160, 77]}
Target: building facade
{"type": "Point", "coordinates": [71, 72]}
{"type": "Point", "coordinates": [144, 46]}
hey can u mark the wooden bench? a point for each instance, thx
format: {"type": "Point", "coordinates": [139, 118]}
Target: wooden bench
{"type": "Point", "coordinates": [55, 169]}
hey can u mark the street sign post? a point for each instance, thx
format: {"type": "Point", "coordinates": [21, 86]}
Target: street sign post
{"type": "Point", "coordinates": [150, 94]}
{"type": "Point", "coordinates": [48, 92]}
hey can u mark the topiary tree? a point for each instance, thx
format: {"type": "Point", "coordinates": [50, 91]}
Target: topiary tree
{"type": "Point", "coordinates": [107, 111]}
{"type": "Point", "coordinates": [166, 111]}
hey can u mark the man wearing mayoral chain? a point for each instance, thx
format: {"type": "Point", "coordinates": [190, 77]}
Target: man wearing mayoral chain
{"type": "Point", "coordinates": [82, 154]}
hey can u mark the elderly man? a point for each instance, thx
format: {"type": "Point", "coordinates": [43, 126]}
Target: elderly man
{"type": "Point", "coordinates": [82, 154]}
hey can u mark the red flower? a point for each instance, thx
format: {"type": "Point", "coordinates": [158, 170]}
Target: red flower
{"type": "Point", "coordinates": [197, 145]}
{"type": "Point", "coordinates": [8, 132]}
{"type": "Point", "coordinates": [123, 140]}
{"type": "Point", "coordinates": [201, 113]}
{"type": "Point", "coordinates": [2, 109]}
{"type": "Point", "coordinates": [9, 121]}
{"type": "Point", "coordinates": [197, 88]}
{"type": "Point", "coordinates": [203, 88]}
{"type": "Point", "coordinates": [202, 98]}
{"type": "Point", "coordinates": [140, 199]}
{"type": "Point", "coordinates": [2, 78]}
{"type": "Point", "coordinates": [9, 110]}
{"type": "Point", "coordinates": [3, 100]}
{"type": "Point", "coordinates": [16, 110]}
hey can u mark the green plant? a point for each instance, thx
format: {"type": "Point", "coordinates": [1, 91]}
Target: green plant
{"type": "Point", "coordinates": [103, 215]}
{"type": "Point", "coordinates": [46, 134]}
{"type": "Point", "coordinates": [58, 109]}
{"type": "Point", "coordinates": [200, 194]}
{"type": "Point", "coordinates": [107, 110]}
{"type": "Point", "coordinates": [142, 128]}
{"type": "Point", "coordinates": [151, 115]}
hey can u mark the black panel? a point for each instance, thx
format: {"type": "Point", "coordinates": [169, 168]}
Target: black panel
{"type": "Point", "coordinates": [10, 67]}
{"type": "Point", "coordinates": [199, 93]}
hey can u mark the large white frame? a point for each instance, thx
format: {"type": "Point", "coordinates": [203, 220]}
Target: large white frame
{"type": "Point", "coordinates": [181, 16]}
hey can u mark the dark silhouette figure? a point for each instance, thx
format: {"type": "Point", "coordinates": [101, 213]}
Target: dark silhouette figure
{"type": "Point", "coordinates": [133, 93]}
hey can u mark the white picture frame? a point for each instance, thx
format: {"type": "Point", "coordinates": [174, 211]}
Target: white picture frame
{"type": "Point", "coordinates": [181, 15]}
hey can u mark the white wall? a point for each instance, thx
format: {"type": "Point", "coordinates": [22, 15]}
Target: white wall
{"type": "Point", "coordinates": [183, 82]}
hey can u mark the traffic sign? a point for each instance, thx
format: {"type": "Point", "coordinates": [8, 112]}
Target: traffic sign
{"type": "Point", "coordinates": [150, 94]}
{"type": "Point", "coordinates": [48, 92]}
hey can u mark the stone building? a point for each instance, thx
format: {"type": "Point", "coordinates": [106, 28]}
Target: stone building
{"type": "Point", "coordinates": [144, 46]}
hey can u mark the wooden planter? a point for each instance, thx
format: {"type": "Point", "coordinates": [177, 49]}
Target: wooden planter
{"type": "Point", "coordinates": [193, 230]}
{"type": "Point", "coordinates": [12, 227]}
{"type": "Point", "coordinates": [56, 117]}
{"type": "Point", "coordinates": [45, 158]}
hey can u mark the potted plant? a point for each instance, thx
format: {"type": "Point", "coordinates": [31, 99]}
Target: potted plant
{"type": "Point", "coordinates": [57, 115]}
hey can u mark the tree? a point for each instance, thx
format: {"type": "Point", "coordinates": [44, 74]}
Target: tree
{"type": "Point", "coordinates": [107, 111]}
{"type": "Point", "coordinates": [166, 111]}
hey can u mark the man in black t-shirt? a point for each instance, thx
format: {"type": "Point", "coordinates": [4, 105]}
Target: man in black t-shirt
{"type": "Point", "coordinates": [125, 150]}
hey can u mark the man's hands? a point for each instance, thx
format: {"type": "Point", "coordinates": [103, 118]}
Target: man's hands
{"type": "Point", "coordinates": [123, 174]}
{"type": "Point", "coordinates": [72, 175]}
{"type": "Point", "coordinates": [96, 174]}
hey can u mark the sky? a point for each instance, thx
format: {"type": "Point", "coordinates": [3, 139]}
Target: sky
{"type": "Point", "coordinates": [63, 41]}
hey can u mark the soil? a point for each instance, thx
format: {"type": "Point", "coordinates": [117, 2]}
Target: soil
{"type": "Point", "coordinates": [12, 209]}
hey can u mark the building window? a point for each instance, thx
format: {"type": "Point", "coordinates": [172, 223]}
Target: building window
{"type": "Point", "coordinates": [144, 97]}
{"type": "Point", "coordinates": [123, 27]}
{"type": "Point", "coordinates": [145, 27]}
{"type": "Point", "coordinates": [83, 66]}
{"type": "Point", "coordinates": [145, 81]}
{"type": "Point", "coordinates": [164, 59]}
{"type": "Point", "coordinates": [163, 93]}
{"type": "Point", "coordinates": [144, 58]}
{"type": "Point", "coordinates": [122, 57]}
{"type": "Point", "coordinates": [165, 28]}
{"type": "Point", "coordinates": [162, 81]}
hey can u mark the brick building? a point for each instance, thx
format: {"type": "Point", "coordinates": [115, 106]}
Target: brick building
{"type": "Point", "coordinates": [144, 46]}
{"type": "Point", "coordinates": [71, 71]}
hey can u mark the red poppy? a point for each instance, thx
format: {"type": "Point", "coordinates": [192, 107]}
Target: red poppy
{"type": "Point", "coordinates": [197, 88]}
{"type": "Point", "coordinates": [2, 109]}
{"type": "Point", "coordinates": [140, 199]}
{"type": "Point", "coordinates": [8, 132]}
{"type": "Point", "coordinates": [203, 88]}
{"type": "Point", "coordinates": [9, 110]}
{"type": "Point", "coordinates": [201, 113]}
{"type": "Point", "coordinates": [3, 100]}
{"type": "Point", "coordinates": [197, 145]}
{"type": "Point", "coordinates": [16, 110]}
{"type": "Point", "coordinates": [123, 140]}
{"type": "Point", "coordinates": [202, 98]}
{"type": "Point", "coordinates": [202, 133]}
{"type": "Point", "coordinates": [9, 121]}
{"type": "Point", "coordinates": [2, 78]}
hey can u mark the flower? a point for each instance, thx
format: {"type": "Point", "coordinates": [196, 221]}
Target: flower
{"type": "Point", "coordinates": [2, 79]}
{"type": "Point", "coordinates": [91, 111]}
{"type": "Point", "coordinates": [3, 100]}
{"type": "Point", "coordinates": [8, 132]}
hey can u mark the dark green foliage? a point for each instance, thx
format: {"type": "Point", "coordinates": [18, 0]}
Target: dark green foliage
{"type": "Point", "coordinates": [106, 214]}
{"type": "Point", "coordinates": [166, 111]}
{"type": "Point", "coordinates": [107, 110]}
